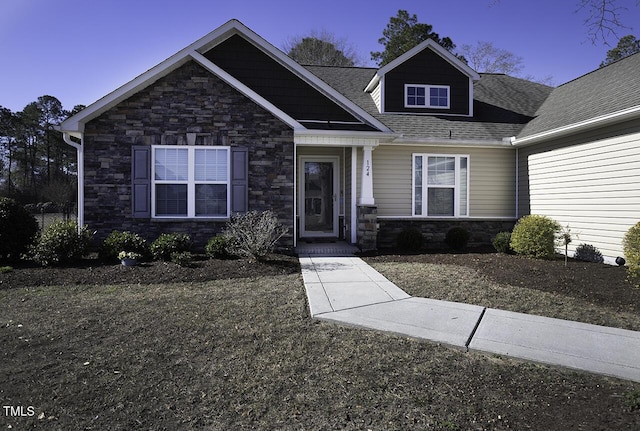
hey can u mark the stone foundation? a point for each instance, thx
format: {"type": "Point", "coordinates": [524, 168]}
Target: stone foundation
{"type": "Point", "coordinates": [367, 227]}
{"type": "Point", "coordinates": [434, 231]}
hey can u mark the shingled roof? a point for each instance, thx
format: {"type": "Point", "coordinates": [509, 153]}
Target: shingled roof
{"type": "Point", "coordinates": [502, 106]}
{"type": "Point", "coordinates": [605, 91]}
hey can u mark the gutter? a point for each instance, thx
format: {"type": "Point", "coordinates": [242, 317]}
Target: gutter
{"type": "Point", "coordinates": [582, 126]}
{"type": "Point", "coordinates": [80, 152]}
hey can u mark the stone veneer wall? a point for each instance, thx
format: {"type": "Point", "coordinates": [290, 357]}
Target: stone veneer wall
{"type": "Point", "coordinates": [367, 227]}
{"type": "Point", "coordinates": [434, 231]}
{"type": "Point", "coordinates": [188, 100]}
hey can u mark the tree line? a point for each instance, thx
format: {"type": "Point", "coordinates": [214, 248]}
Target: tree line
{"type": "Point", "coordinates": [36, 165]}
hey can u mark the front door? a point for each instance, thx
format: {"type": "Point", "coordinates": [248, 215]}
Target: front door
{"type": "Point", "coordinates": [319, 204]}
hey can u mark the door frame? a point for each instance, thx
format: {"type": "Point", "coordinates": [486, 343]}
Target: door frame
{"type": "Point", "coordinates": [335, 160]}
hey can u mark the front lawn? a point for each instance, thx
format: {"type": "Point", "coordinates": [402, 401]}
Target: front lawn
{"type": "Point", "coordinates": [234, 348]}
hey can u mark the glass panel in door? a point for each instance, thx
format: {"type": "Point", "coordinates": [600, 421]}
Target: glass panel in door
{"type": "Point", "coordinates": [319, 197]}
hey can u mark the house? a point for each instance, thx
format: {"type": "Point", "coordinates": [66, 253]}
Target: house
{"type": "Point", "coordinates": [231, 124]}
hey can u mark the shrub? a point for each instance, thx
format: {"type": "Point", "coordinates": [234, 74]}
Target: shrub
{"type": "Point", "coordinates": [182, 258]}
{"type": "Point", "coordinates": [168, 243]}
{"type": "Point", "coordinates": [254, 234]}
{"type": "Point", "coordinates": [631, 247]}
{"type": "Point", "coordinates": [588, 253]}
{"type": "Point", "coordinates": [5, 269]}
{"type": "Point", "coordinates": [457, 238]}
{"type": "Point", "coordinates": [217, 247]}
{"type": "Point", "coordinates": [60, 243]}
{"type": "Point", "coordinates": [534, 236]}
{"type": "Point", "coordinates": [410, 240]}
{"type": "Point", "coordinates": [123, 241]}
{"type": "Point", "coordinates": [501, 242]}
{"type": "Point", "coordinates": [18, 229]}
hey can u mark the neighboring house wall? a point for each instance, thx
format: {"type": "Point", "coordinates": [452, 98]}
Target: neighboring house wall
{"type": "Point", "coordinates": [590, 182]}
{"type": "Point", "coordinates": [188, 100]}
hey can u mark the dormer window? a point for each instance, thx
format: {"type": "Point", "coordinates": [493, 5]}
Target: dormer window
{"type": "Point", "coordinates": [426, 96]}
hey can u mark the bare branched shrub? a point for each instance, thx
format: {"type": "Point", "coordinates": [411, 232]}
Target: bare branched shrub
{"type": "Point", "coordinates": [254, 234]}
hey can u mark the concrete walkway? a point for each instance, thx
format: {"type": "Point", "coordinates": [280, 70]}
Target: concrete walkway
{"type": "Point", "coordinates": [348, 291]}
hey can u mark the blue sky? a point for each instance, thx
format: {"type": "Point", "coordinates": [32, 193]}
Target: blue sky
{"type": "Point", "coordinates": [80, 50]}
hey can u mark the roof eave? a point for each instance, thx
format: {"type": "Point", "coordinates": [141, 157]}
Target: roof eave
{"type": "Point", "coordinates": [582, 126]}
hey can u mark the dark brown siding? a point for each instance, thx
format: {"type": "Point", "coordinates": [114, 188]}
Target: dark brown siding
{"type": "Point", "coordinates": [427, 67]}
{"type": "Point", "coordinates": [188, 100]}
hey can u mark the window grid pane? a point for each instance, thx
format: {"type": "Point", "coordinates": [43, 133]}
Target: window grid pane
{"type": "Point", "coordinates": [172, 164]}
{"type": "Point", "coordinates": [440, 202]}
{"type": "Point", "coordinates": [171, 199]}
{"type": "Point", "coordinates": [438, 97]}
{"type": "Point", "coordinates": [211, 199]}
{"type": "Point", "coordinates": [416, 96]}
{"type": "Point", "coordinates": [210, 165]}
{"type": "Point", "coordinates": [418, 186]}
{"type": "Point", "coordinates": [441, 171]}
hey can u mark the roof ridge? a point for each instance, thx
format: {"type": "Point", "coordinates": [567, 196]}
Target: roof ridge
{"type": "Point", "coordinates": [600, 68]}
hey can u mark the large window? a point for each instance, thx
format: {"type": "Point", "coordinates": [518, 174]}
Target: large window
{"type": "Point", "coordinates": [426, 96]}
{"type": "Point", "coordinates": [190, 181]}
{"type": "Point", "coordinates": [440, 185]}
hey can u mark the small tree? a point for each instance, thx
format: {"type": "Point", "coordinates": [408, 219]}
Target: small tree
{"type": "Point", "coordinates": [564, 237]}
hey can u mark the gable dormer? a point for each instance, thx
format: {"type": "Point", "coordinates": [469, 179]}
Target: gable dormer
{"type": "Point", "coordinates": [427, 79]}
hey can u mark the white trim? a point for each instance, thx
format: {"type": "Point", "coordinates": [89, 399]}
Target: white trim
{"type": "Point", "coordinates": [80, 154]}
{"type": "Point", "coordinates": [581, 126]}
{"type": "Point", "coordinates": [427, 96]}
{"type": "Point", "coordinates": [469, 143]}
{"type": "Point", "coordinates": [434, 46]}
{"type": "Point", "coordinates": [190, 182]}
{"type": "Point", "coordinates": [335, 160]}
{"type": "Point", "coordinates": [354, 190]}
{"type": "Point", "coordinates": [425, 186]}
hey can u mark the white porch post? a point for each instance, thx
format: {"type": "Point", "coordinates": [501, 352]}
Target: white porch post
{"type": "Point", "coordinates": [366, 186]}
{"type": "Point", "coordinates": [353, 226]}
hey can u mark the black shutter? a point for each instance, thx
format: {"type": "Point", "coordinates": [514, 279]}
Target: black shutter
{"type": "Point", "coordinates": [141, 181]}
{"type": "Point", "coordinates": [239, 180]}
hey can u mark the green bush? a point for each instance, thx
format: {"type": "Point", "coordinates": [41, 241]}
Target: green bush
{"type": "Point", "coordinates": [123, 241]}
{"type": "Point", "coordinates": [254, 234]}
{"type": "Point", "coordinates": [410, 240]}
{"type": "Point", "coordinates": [588, 253]}
{"type": "Point", "coordinates": [501, 242]}
{"type": "Point", "coordinates": [534, 236]}
{"type": "Point", "coordinates": [217, 247]}
{"type": "Point", "coordinates": [61, 243]}
{"type": "Point", "coordinates": [18, 229]}
{"type": "Point", "coordinates": [631, 247]}
{"type": "Point", "coordinates": [168, 243]}
{"type": "Point", "coordinates": [182, 258]}
{"type": "Point", "coordinates": [457, 238]}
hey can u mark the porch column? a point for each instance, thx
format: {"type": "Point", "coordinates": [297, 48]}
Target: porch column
{"type": "Point", "coordinates": [367, 222]}
{"type": "Point", "coordinates": [366, 186]}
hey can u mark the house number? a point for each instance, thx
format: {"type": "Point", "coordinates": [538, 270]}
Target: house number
{"type": "Point", "coordinates": [368, 168]}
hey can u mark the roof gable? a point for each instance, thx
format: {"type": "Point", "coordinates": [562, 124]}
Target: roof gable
{"type": "Point", "coordinates": [75, 124]}
{"type": "Point", "coordinates": [427, 44]}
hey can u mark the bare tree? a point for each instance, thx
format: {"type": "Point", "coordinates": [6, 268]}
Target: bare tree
{"type": "Point", "coordinates": [484, 57]}
{"type": "Point", "coordinates": [321, 48]}
{"type": "Point", "coordinates": [604, 17]}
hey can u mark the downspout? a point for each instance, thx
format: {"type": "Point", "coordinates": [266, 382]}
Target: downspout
{"type": "Point", "coordinates": [517, 183]}
{"type": "Point", "coordinates": [80, 153]}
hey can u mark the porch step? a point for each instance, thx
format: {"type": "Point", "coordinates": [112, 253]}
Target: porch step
{"type": "Point", "coordinates": [336, 248]}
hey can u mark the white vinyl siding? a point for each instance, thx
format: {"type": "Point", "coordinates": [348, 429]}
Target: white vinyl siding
{"type": "Point", "coordinates": [376, 94]}
{"type": "Point", "coordinates": [593, 187]}
{"type": "Point", "coordinates": [491, 179]}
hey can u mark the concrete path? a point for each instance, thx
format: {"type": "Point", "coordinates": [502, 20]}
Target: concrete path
{"type": "Point", "coordinates": [348, 291]}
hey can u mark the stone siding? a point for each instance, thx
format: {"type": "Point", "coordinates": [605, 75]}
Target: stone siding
{"type": "Point", "coordinates": [434, 231]}
{"type": "Point", "coordinates": [188, 100]}
{"type": "Point", "coordinates": [367, 227]}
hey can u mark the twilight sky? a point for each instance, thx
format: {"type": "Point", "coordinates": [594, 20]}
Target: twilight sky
{"type": "Point", "coordinates": [81, 50]}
